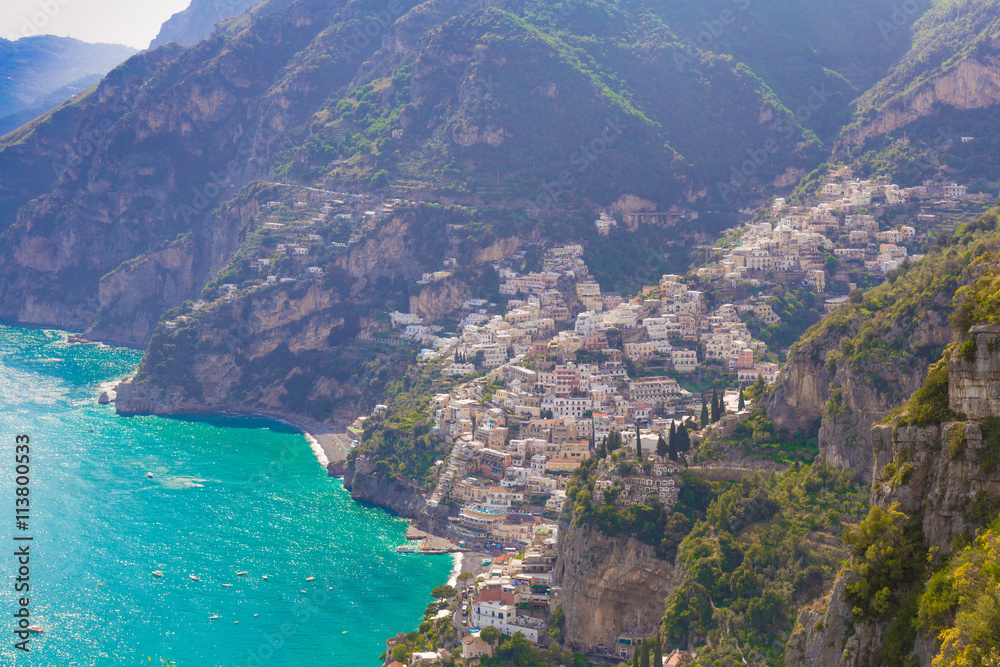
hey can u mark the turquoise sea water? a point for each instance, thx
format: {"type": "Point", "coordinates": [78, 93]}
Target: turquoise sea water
{"type": "Point", "coordinates": [227, 495]}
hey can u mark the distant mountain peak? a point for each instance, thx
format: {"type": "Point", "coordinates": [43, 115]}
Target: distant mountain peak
{"type": "Point", "coordinates": [190, 26]}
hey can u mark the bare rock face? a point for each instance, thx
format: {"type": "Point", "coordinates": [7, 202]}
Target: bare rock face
{"type": "Point", "coordinates": [937, 472]}
{"type": "Point", "coordinates": [845, 396]}
{"type": "Point", "coordinates": [820, 637]}
{"type": "Point", "coordinates": [610, 586]}
{"type": "Point", "coordinates": [974, 83]}
{"type": "Point", "coordinates": [974, 389]}
{"type": "Point", "coordinates": [439, 300]}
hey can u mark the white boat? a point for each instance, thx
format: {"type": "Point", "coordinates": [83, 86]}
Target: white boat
{"type": "Point", "coordinates": [301, 591]}
{"type": "Point", "coordinates": [227, 585]}
{"type": "Point", "coordinates": [265, 576]}
{"type": "Point", "coordinates": [194, 577]}
{"type": "Point", "coordinates": [157, 573]}
{"type": "Point", "coordinates": [213, 617]}
{"type": "Point", "coordinates": [35, 629]}
{"type": "Point", "coordinates": [310, 578]}
{"type": "Point", "coordinates": [240, 574]}
{"type": "Point", "coordinates": [149, 474]}
{"type": "Point", "coordinates": [407, 549]}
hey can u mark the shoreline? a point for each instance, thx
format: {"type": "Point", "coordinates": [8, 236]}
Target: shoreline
{"type": "Point", "coordinates": [328, 446]}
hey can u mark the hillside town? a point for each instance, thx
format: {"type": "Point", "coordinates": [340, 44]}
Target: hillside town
{"type": "Point", "coordinates": [563, 368]}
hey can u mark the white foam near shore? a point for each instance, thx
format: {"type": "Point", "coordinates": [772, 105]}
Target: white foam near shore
{"type": "Point", "coordinates": [318, 450]}
{"type": "Point", "coordinates": [314, 444]}
{"type": "Point", "coordinates": [456, 569]}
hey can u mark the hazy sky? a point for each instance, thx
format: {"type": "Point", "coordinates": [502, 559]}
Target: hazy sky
{"type": "Point", "coordinates": [131, 22]}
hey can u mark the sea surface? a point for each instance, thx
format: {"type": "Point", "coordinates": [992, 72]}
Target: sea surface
{"type": "Point", "coordinates": [227, 494]}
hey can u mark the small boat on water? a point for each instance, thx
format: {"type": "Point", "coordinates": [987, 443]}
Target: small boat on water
{"type": "Point", "coordinates": [227, 585]}
{"type": "Point", "coordinates": [149, 474]}
{"type": "Point", "coordinates": [194, 577]}
{"type": "Point", "coordinates": [310, 578]}
{"type": "Point", "coordinates": [265, 576]}
{"type": "Point", "coordinates": [301, 591]}
{"type": "Point", "coordinates": [157, 573]}
{"type": "Point", "coordinates": [240, 574]}
{"type": "Point", "coordinates": [407, 549]}
{"type": "Point", "coordinates": [213, 617]}
{"type": "Point", "coordinates": [35, 629]}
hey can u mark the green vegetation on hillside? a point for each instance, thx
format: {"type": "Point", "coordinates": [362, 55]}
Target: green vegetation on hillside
{"type": "Point", "coordinates": [400, 442]}
{"type": "Point", "coordinates": [766, 546]}
{"type": "Point", "coordinates": [960, 605]}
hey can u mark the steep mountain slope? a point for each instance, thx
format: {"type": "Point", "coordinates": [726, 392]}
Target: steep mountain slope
{"type": "Point", "coordinates": [190, 26]}
{"type": "Point", "coordinates": [913, 589]}
{"type": "Point", "coordinates": [953, 63]}
{"type": "Point", "coordinates": [867, 357]}
{"type": "Point", "coordinates": [516, 104]}
{"type": "Point", "coordinates": [34, 69]}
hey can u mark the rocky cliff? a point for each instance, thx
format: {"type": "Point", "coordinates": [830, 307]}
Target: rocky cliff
{"type": "Point", "coordinates": [858, 365]}
{"type": "Point", "coordinates": [388, 492]}
{"type": "Point", "coordinates": [399, 496]}
{"type": "Point", "coordinates": [610, 586]}
{"type": "Point", "coordinates": [947, 476]}
{"type": "Point", "coordinates": [489, 104]}
{"type": "Point", "coordinates": [952, 62]}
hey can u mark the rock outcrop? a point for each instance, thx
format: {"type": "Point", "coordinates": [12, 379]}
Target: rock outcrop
{"type": "Point", "coordinates": [974, 388]}
{"type": "Point", "coordinates": [971, 84]}
{"type": "Point", "coordinates": [946, 475]}
{"type": "Point", "coordinates": [610, 586]}
{"type": "Point", "coordinates": [399, 496]}
{"type": "Point", "coordinates": [843, 376]}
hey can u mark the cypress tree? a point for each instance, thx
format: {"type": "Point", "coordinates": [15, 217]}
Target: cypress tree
{"type": "Point", "coordinates": [672, 445]}
{"type": "Point", "coordinates": [638, 443]}
{"type": "Point", "coordinates": [683, 439]}
{"type": "Point", "coordinates": [716, 405]}
{"type": "Point", "coordinates": [704, 413]}
{"type": "Point", "coordinates": [661, 447]}
{"type": "Point", "coordinates": [644, 654]}
{"type": "Point", "coordinates": [657, 651]}
{"type": "Point", "coordinates": [743, 403]}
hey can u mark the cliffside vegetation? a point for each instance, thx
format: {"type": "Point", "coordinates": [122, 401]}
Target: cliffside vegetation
{"type": "Point", "coordinates": [960, 605]}
{"type": "Point", "coordinates": [766, 545]}
{"type": "Point", "coordinates": [400, 442]}
{"type": "Point", "coordinates": [651, 523]}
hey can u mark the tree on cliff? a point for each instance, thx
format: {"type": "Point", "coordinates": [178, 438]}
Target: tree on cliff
{"type": "Point", "coordinates": [743, 403]}
{"type": "Point", "coordinates": [704, 413]}
{"type": "Point", "coordinates": [638, 443]}
{"type": "Point", "coordinates": [716, 405]}
{"type": "Point", "coordinates": [657, 651]}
